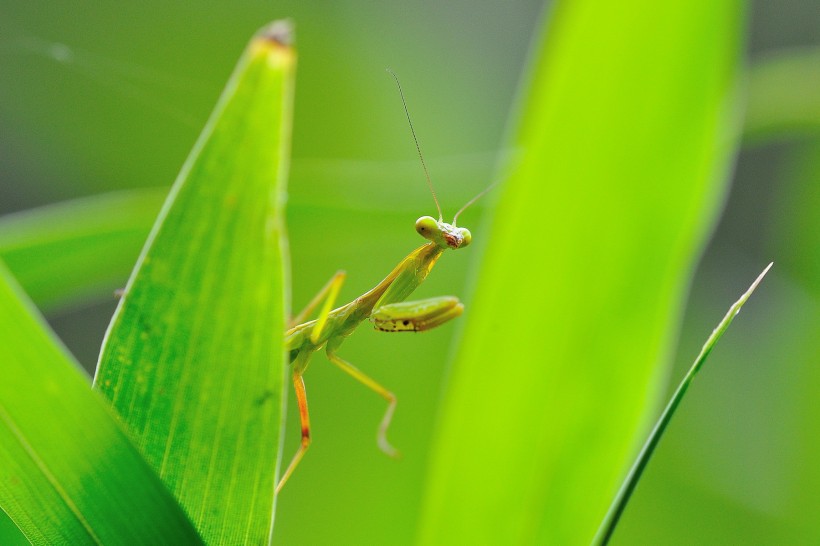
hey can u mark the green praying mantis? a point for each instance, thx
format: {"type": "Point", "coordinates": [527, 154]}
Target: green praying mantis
{"type": "Point", "coordinates": [384, 305]}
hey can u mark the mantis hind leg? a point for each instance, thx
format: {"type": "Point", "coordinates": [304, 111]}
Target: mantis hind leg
{"type": "Point", "coordinates": [304, 418]}
{"type": "Point", "coordinates": [371, 384]}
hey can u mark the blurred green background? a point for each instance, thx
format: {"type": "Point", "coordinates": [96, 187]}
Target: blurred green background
{"type": "Point", "coordinates": [102, 96]}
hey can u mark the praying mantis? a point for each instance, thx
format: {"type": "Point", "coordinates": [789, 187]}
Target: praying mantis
{"type": "Point", "coordinates": [384, 305]}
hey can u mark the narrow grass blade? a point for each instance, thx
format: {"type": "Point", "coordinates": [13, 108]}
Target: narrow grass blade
{"type": "Point", "coordinates": [68, 472]}
{"type": "Point", "coordinates": [628, 128]}
{"type": "Point", "coordinates": [194, 359]}
{"type": "Point", "coordinates": [619, 503]}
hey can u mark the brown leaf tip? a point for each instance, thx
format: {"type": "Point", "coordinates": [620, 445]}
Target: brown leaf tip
{"type": "Point", "coordinates": [278, 32]}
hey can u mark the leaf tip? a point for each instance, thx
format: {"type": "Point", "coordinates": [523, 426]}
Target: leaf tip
{"type": "Point", "coordinates": [278, 33]}
{"type": "Point", "coordinates": [274, 42]}
{"type": "Point", "coordinates": [760, 278]}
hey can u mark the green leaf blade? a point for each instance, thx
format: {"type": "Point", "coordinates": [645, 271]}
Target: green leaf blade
{"type": "Point", "coordinates": [68, 473]}
{"type": "Point", "coordinates": [625, 143]}
{"type": "Point", "coordinates": [194, 358]}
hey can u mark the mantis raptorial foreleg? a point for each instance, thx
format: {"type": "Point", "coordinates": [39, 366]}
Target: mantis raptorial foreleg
{"type": "Point", "coordinates": [416, 316]}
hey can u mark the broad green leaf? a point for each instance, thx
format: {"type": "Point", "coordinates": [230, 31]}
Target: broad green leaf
{"type": "Point", "coordinates": [194, 358]}
{"type": "Point", "coordinates": [628, 130]}
{"type": "Point", "coordinates": [10, 534]}
{"type": "Point", "coordinates": [68, 472]}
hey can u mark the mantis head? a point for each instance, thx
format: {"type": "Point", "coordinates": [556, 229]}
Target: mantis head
{"type": "Point", "coordinates": [443, 234]}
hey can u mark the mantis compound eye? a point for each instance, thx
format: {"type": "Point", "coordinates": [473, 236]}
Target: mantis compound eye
{"type": "Point", "coordinates": [427, 227]}
{"type": "Point", "coordinates": [466, 237]}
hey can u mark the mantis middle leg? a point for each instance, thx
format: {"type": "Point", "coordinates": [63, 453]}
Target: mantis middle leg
{"type": "Point", "coordinates": [370, 383]}
{"type": "Point", "coordinates": [404, 316]}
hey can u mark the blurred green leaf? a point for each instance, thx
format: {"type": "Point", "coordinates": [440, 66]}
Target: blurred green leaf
{"type": "Point", "coordinates": [796, 235]}
{"type": "Point", "coordinates": [80, 250]}
{"type": "Point", "coordinates": [784, 95]}
{"type": "Point", "coordinates": [194, 360]}
{"type": "Point", "coordinates": [68, 473]}
{"type": "Point", "coordinates": [628, 130]}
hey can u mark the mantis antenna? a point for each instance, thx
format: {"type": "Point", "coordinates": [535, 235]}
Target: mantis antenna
{"type": "Point", "coordinates": [473, 200]}
{"type": "Point", "coordinates": [418, 148]}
